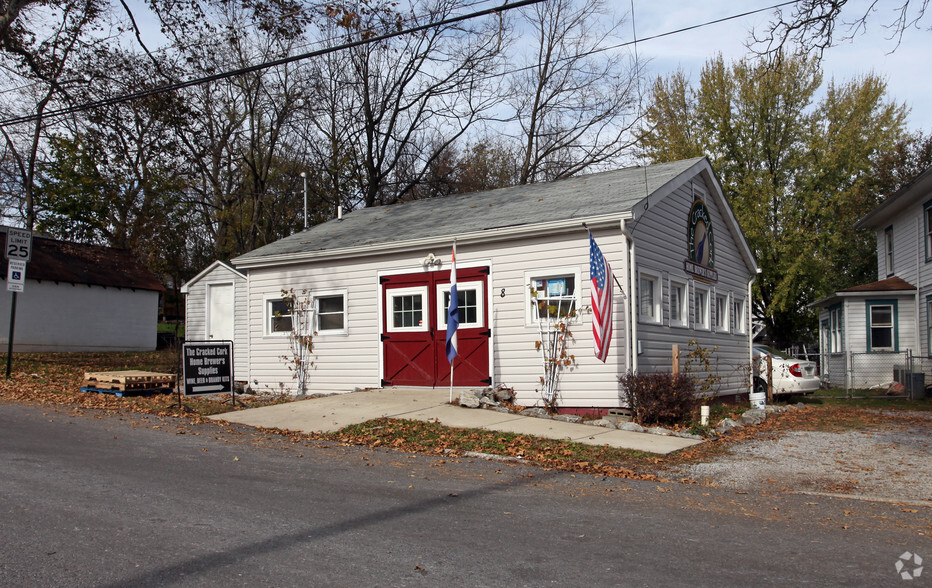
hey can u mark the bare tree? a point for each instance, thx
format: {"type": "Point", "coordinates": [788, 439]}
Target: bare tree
{"type": "Point", "coordinates": [327, 130]}
{"type": "Point", "coordinates": [115, 174]}
{"type": "Point", "coordinates": [416, 95]}
{"type": "Point", "coordinates": [816, 25]}
{"type": "Point", "coordinates": [575, 106]}
{"type": "Point", "coordinates": [242, 186]}
{"type": "Point", "coordinates": [42, 43]}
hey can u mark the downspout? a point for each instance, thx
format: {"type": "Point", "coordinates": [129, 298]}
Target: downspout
{"type": "Point", "coordinates": [749, 325]}
{"type": "Point", "coordinates": [631, 343]}
{"type": "Point", "coordinates": [919, 250]}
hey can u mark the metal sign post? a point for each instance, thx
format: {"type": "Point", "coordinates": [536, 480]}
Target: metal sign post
{"type": "Point", "coordinates": [18, 251]}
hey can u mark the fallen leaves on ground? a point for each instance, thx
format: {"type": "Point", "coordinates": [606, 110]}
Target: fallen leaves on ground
{"type": "Point", "coordinates": [56, 379]}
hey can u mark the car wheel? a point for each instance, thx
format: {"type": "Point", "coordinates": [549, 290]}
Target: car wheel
{"type": "Point", "coordinates": [760, 386]}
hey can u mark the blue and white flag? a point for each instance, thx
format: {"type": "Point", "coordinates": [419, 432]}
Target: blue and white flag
{"type": "Point", "coordinates": [453, 312]}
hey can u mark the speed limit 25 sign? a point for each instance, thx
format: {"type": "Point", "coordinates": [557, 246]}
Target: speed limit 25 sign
{"type": "Point", "coordinates": [18, 244]}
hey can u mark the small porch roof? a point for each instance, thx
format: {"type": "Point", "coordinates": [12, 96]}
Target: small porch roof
{"type": "Point", "coordinates": [893, 285]}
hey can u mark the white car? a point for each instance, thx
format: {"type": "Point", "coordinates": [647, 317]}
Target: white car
{"type": "Point", "coordinates": [790, 375]}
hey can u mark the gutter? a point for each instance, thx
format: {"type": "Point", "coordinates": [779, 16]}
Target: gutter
{"type": "Point", "coordinates": [749, 325]}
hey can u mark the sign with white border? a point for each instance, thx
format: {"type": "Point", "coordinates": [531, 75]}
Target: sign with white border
{"type": "Point", "coordinates": [18, 244]}
{"type": "Point", "coordinates": [207, 368]}
{"type": "Point", "coordinates": [16, 275]}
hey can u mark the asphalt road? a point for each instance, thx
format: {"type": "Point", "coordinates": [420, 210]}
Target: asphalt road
{"type": "Point", "coordinates": [96, 500]}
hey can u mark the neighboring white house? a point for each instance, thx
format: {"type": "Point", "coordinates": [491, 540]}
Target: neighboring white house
{"type": "Point", "coordinates": [871, 333]}
{"type": "Point", "coordinates": [82, 298]}
{"type": "Point", "coordinates": [379, 282]}
{"type": "Point", "coordinates": [214, 299]}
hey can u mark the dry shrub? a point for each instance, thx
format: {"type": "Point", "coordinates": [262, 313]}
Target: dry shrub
{"type": "Point", "coordinates": [661, 399]}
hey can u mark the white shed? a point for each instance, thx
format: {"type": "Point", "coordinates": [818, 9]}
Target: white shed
{"type": "Point", "coordinates": [215, 310]}
{"type": "Point", "coordinates": [379, 283]}
{"type": "Point", "coordinates": [82, 298]}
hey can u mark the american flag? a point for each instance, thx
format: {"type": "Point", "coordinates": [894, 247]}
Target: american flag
{"type": "Point", "coordinates": [601, 274]}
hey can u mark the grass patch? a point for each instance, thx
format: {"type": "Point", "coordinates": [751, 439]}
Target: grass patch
{"type": "Point", "coordinates": [863, 399]}
{"type": "Point", "coordinates": [173, 328]}
{"type": "Point", "coordinates": [433, 438]}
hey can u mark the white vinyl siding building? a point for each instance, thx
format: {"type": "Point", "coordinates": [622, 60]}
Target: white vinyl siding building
{"type": "Point", "coordinates": [382, 274]}
{"type": "Point", "coordinates": [215, 310]}
{"type": "Point", "coordinates": [879, 325]}
{"type": "Point", "coordinates": [82, 298]}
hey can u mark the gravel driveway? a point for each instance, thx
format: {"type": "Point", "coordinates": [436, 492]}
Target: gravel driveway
{"type": "Point", "coordinates": [892, 463]}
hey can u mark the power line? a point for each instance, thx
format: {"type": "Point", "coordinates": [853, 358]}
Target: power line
{"type": "Point", "coordinates": [264, 65]}
{"type": "Point", "coordinates": [633, 43]}
{"type": "Point", "coordinates": [316, 53]}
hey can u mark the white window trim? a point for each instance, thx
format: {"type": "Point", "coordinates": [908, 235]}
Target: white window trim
{"type": "Point", "coordinates": [835, 329]}
{"type": "Point", "coordinates": [392, 293]}
{"type": "Point", "coordinates": [888, 249]}
{"type": "Point", "coordinates": [684, 303]}
{"type": "Point", "coordinates": [530, 315]}
{"type": "Point", "coordinates": [267, 316]}
{"type": "Point", "coordinates": [738, 315]}
{"type": "Point", "coordinates": [331, 294]}
{"type": "Point", "coordinates": [722, 326]}
{"type": "Point", "coordinates": [443, 289]}
{"type": "Point", "coordinates": [656, 299]}
{"type": "Point", "coordinates": [701, 323]}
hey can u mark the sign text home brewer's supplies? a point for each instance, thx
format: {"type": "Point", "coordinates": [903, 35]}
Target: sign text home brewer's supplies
{"type": "Point", "coordinates": [208, 368]}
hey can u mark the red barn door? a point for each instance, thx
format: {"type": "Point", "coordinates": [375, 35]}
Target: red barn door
{"type": "Point", "coordinates": [414, 329]}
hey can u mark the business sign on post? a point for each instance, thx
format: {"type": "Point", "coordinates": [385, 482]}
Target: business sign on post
{"type": "Point", "coordinates": [207, 367]}
{"type": "Point", "coordinates": [15, 275]}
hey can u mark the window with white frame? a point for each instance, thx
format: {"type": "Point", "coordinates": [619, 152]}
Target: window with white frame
{"type": "Point", "coordinates": [737, 315]}
{"type": "Point", "coordinates": [835, 329]}
{"type": "Point", "coordinates": [881, 317]}
{"type": "Point", "coordinates": [649, 298]}
{"type": "Point", "coordinates": [701, 306]}
{"type": "Point", "coordinates": [469, 297]}
{"type": "Point", "coordinates": [330, 312]}
{"type": "Point", "coordinates": [721, 312]}
{"type": "Point", "coordinates": [927, 214]}
{"type": "Point", "coordinates": [407, 309]}
{"type": "Point", "coordinates": [554, 295]}
{"type": "Point", "coordinates": [277, 316]}
{"type": "Point", "coordinates": [888, 244]}
{"type": "Point", "coordinates": [679, 304]}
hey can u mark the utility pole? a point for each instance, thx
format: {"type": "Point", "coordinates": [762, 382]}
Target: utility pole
{"type": "Point", "coordinates": [304, 177]}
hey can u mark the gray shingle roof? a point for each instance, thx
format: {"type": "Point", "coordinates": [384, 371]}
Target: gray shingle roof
{"type": "Point", "coordinates": [579, 197]}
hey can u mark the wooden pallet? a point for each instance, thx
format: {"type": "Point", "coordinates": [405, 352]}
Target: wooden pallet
{"type": "Point", "coordinates": [128, 380]}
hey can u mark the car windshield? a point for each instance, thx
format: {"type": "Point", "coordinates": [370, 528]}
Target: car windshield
{"type": "Point", "coordinates": [767, 350]}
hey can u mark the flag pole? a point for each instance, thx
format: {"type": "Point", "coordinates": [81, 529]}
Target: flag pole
{"type": "Point", "coordinates": [451, 382]}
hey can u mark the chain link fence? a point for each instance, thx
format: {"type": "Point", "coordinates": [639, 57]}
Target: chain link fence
{"type": "Point", "coordinates": [878, 371]}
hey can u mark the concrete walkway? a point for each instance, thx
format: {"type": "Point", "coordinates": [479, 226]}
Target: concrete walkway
{"type": "Point", "coordinates": [332, 413]}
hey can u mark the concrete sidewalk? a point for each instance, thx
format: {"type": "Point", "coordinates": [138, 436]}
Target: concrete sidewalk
{"type": "Point", "coordinates": [332, 413]}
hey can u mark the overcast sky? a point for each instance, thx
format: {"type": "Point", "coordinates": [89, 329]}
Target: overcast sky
{"type": "Point", "coordinates": [907, 69]}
